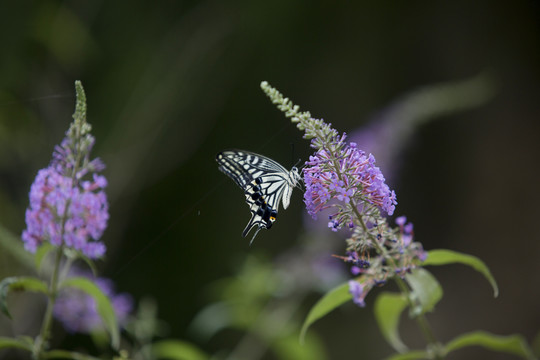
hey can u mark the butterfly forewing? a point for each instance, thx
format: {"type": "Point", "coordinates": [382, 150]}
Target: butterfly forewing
{"type": "Point", "coordinates": [264, 181]}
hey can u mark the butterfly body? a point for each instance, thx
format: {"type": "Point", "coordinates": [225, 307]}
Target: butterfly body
{"type": "Point", "coordinates": [265, 183]}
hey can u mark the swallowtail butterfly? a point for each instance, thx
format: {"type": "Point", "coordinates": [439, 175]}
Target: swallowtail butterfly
{"type": "Point", "coordinates": [265, 184]}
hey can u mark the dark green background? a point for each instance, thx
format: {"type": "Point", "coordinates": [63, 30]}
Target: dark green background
{"type": "Point", "coordinates": [171, 83]}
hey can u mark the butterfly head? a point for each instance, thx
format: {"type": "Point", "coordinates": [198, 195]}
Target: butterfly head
{"type": "Point", "coordinates": [295, 178]}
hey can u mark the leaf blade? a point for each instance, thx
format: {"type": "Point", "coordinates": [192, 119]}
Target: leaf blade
{"type": "Point", "coordinates": [70, 355]}
{"type": "Point", "coordinates": [511, 344]}
{"type": "Point", "coordinates": [19, 283]}
{"type": "Point", "coordinates": [177, 350]}
{"type": "Point", "coordinates": [426, 291]}
{"type": "Point", "coordinates": [443, 257]}
{"type": "Point", "coordinates": [331, 300]}
{"type": "Point", "coordinates": [103, 305]}
{"type": "Point", "coordinates": [387, 309]}
{"type": "Point", "coordinates": [410, 355]}
{"type": "Point", "coordinates": [41, 253]}
{"type": "Point", "coordinates": [6, 342]}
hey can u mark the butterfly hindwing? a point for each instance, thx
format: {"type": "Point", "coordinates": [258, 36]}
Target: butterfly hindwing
{"type": "Point", "coordinates": [265, 183]}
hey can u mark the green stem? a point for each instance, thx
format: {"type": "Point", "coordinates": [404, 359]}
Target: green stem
{"type": "Point", "coordinates": [421, 320]}
{"type": "Point", "coordinates": [43, 336]}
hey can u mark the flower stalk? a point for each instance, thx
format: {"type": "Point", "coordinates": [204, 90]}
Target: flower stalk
{"type": "Point", "coordinates": [65, 210]}
{"type": "Point", "coordinates": [342, 180]}
{"type": "Point", "coordinates": [44, 335]}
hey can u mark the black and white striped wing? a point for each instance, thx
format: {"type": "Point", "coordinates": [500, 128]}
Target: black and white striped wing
{"type": "Point", "coordinates": [265, 183]}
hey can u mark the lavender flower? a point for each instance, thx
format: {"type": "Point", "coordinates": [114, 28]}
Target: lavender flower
{"type": "Point", "coordinates": [399, 255]}
{"type": "Point", "coordinates": [65, 214]}
{"type": "Point", "coordinates": [77, 311]}
{"type": "Point", "coordinates": [344, 179]}
{"type": "Point", "coordinates": [349, 176]}
{"type": "Point", "coordinates": [66, 210]}
{"type": "Point", "coordinates": [357, 291]}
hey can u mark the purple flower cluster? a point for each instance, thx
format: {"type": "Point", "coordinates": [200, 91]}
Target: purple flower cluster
{"type": "Point", "coordinates": [65, 209]}
{"type": "Point", "coordinates": [61, 212]}
{"type": "Point", "coordinates": [406, 245]}
{"type": "Point", "coordinates": [349, 177]}
{"type": "Point", "coordinates": [77, 311]}
{"type": "Point", "coordinates": [400, 256]}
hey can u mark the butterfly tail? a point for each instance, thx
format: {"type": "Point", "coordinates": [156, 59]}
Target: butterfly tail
{"type": "Point", "coordinates": [249, 226]}
{"type": "Point", "coordinates": [256, 232]}
{"type": "Point", "coordinates": [252, 223]}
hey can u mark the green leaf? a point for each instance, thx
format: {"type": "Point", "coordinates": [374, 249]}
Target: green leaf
{"type": "Point", "coordinates": [510, 344]}
{"type": "Point", "coordinates": [288, 347]}
{"type": "Point", "coordinates": [388, 308]}
{"type": "Point", "coordinates": [331, 300]}
{"type": "Point", "coordinates": [535, 345]}
{"type": "Point", "coordinates": [444, 257]}
{"type": "Point", "coordinates": [78, 255]}
{"type": "Point", "coordinates": [411, 355]}
{"type": "Point", "coordinates": [103, 305]}
{"type": "Point", "coordinates": [63, 354]}
{"type": "Point", "coordinates": [177, 350]}
{"type": "Point", "coordinates": [42, 251]}
{"type": "Point", "coordinates": [211, 319]}
{"type": "Point", "coordinates": [16, 284]}
{"type": "Point", "coordinates": [426, 291]}
{"type": "Point", "coordinates": [6, 342]}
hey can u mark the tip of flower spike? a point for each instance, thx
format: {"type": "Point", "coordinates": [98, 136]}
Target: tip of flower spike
{"type": "Point", "coordinates": [79, 127]}
{"type": "Point", "coordinates": [80, 107]}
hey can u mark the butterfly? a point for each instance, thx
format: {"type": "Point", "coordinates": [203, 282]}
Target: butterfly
{"type": "Point", "coordinates": [265, 183]}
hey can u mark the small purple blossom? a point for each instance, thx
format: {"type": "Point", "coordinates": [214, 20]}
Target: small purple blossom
{"type": "Point", "coordinates": [357, 291]}
{"type": "Point", "coordinates": [360, 264]}
{"type": "Point", "coordinates": [401, 220]}
{"type": "Point", "coordinates": [77, 311]}
{"type": "Point", "coordinates": [406, 230]}
{"type": "Point", "coordinates": [345, 195]}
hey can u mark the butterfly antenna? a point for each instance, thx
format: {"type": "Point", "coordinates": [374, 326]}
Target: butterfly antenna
{"type": "Point", "coordinates": [292, 157]}
{"type": "Point", "coordinates": [292, 152]}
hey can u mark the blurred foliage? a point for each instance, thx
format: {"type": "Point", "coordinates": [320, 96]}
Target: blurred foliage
{"type": "Point", "coordinates": [170, 84]}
